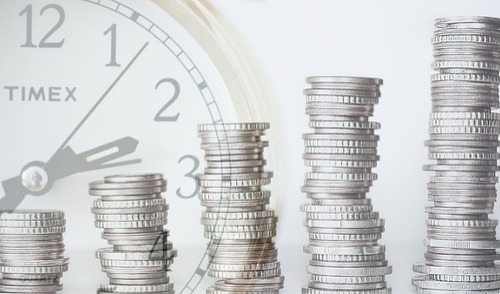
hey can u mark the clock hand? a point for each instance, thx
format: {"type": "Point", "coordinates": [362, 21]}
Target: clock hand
{"type": "Point", "coordinates": [104, 95]}
{"type": "Point", "coordinates": [65, 162]}
{"type": "Point", "coordinates": [38, 178]}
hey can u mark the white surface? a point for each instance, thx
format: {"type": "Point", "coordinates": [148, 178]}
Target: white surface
{"type": "Point", "coordinates": [386, 39]}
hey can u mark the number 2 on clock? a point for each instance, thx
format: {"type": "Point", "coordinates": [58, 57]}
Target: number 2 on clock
{"type": "Point", "coordinates": [177, 90]}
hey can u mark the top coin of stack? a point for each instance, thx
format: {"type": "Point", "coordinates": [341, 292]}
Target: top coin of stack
{"type": "Point", "coordinates": [32, 251]}
{"type": "Point", "coordinates": [463, 142]}
{"type": "Point", "coordinates": [132, 213]}
{"type": "Point", "coordinates": [236, 219]}
{"type": "Point", "coordinates": [343, 228]}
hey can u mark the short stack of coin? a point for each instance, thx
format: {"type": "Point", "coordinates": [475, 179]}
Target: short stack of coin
{"type": "Point", "coordinates": [237, 220]}
{"type": "Point", "coordinates": [461, 242]}
{"type": "Point", "coordinates": [32, 251]}
{"type": "Point", "coordinates": [342, 226]}
{"type": "Point", "coordinates": [132, 213]}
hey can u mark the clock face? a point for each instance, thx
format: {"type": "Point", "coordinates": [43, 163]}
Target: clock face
{"type": "Point", "coordinates": [91, 88]}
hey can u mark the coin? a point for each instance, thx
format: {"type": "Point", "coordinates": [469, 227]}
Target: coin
{"type": "Point", "coordinates": [32, 251]}
{"type": "Point", "coordinates": [342, 227]}
{"type": "Point", "coordinates": [132, 214]}
{"type": "Point", "coordinates": [463, 131]}
{"type": "Point", "coordinates": [239, 225]}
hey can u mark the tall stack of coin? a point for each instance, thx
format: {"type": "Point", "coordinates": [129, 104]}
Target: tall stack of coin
{"type": "Point", "coordinates": [463, 129]}
{"type": "Point", "coordinates": [342, 226]}
{"type": "Point", "coordinates": [237, 220]}
{"type": "Point", "coordinates": [32, 251]}
{"type": "Point", "coordinates": [132, 213]}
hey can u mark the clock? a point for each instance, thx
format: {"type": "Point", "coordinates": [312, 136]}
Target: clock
{"type": "Point", "coordinates": [96, 87]}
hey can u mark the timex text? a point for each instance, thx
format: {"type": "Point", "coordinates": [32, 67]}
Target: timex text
{"type": "Point", "coordinates": [40, 94]}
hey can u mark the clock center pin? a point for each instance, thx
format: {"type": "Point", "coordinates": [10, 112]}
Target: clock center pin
{"type": "Point", "coordinates": [34, 178]}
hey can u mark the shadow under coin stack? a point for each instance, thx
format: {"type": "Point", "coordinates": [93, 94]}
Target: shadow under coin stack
{"type": "Point", "coordinates": [343, 229]}
{"type": "Point", "coordinates": [236, 219]}
{"type": "Point", "coordinates": [32, 251]}
{"type": "Point", "coordinates": [132, 213]}
{"type": "Point", "coordinates": [461, 242]}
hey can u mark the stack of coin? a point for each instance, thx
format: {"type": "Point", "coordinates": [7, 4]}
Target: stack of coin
{"type": "Point", "coordinates": [237, 220]}
{"type": "Point", "coordinates": [342, 226]}
{"type": "Point", "coordinates": [461, 242]}
{"type": "Point", "coordinates": [132, 213]}
{"type": "Point", "coordinates": [32, 251]}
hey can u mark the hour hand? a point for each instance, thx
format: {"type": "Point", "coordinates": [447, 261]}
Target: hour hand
{"type": "Point", "coordinates": [37, 177]}
{"type": "Point", "coordinates": [65, 162]}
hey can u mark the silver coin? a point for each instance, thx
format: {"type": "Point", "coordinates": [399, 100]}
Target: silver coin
{"type": "Point", "coordinates": [342, 216]}
{"type": "Point", "coordinates": [251, 215]}
{"type": "Point", "coordinates": [130, 216]}
{"type": "Point", "coordinates": [349, 81]}
{"type": "Point", "coordinates": [129, 178]}
{"type": "Point", "coordinates": [146, 281]}
{"type": "Point", "coordinates": [110, 254]}
{"type": "Point", "coordinates": [352, 109]}
{"type": "Point", "coordinates": [240, 235]}
{"type": "Point", "coordinates": [369, 92]}
{"type": "Point", "coordinates": [341, 176]}
{"type": "Point", "coordinates": [127, 192]}
{"type": "Point", "coordinates": [358, 250]}
{"type": "Point", "coordinates": [229, 197]}
{"type": "Point", "coordinates": [235, 205]}
{"type": "Point", "coordinates": [245, 267]}
{"type": "Point", "coordinates": [347, 287]}
{"type": "Point", "coordinates": [238, 139]}
{"type": "Point", "coordinates": [343, 237]}
{"type": "Point", "coordinates": [33, 223]}
{"type": "Point", "coordinates": [234, 170]}
{"type": "Point", "coordinates": [232, 134]}
{"type": "Point", "coordinates": [348, 258]}
{"type": "Point", "coordinates": [367, 223]}
{"type": "Point", "coordinates": [235, 146]}
{"type": "Point", "coordinates": [30, 289]}
{"type": "Point", "coordinates": [249, 285]}
{"type": "Point", "coordinates": [236, 164]}
{"type": "Point", "coordinates": [346, 231]}
{"type": "Point", "coordinates": [340, 150]}
{"type": "Point", "coordinates": [245, 274]}
{"type": "Point", "coordinates": [347, 280]}
{"type": "Point", "coordinates": [137, 288]}
{"type": "Point", "coordinates": [226, 228]}
{"type": "Point", "coordinates": [329, 99]}
{"type": "Point", "coordinates": [212, 290]}
{"type": "Point", "coordinates": [425, 283]}
{"type": "Point", "coordinates": [323, 291]}
{"type": "Point", "coordinates": [103, 185]}
{"type": "Point", "coordinates": [234, 126]}
{"type": "Point", "coordinates": [349, 271]}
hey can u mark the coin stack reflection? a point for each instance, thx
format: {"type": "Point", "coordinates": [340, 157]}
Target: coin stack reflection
{"type": "Point", "coordinates": [463, 129]}
{"type": "Point", "coordinates": [32, 251]}
{"type": "Point", "coordinates": [236, 218]}
{"type": "Point", "coordinates": [132, 213]}
{"type": "Point", "coordinates": [342, 226]}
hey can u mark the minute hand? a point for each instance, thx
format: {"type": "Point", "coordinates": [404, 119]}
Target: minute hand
{"type": "Point", "coordinates": [104, 95]}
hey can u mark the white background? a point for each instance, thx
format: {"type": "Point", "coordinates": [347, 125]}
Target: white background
{"type": "Point", "coordinates": [387, 39]}
{"type": "Point", "coordinates": [293, 39]}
